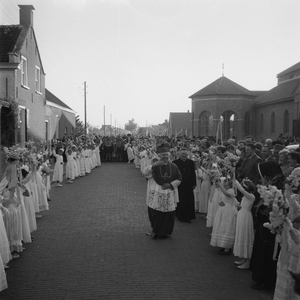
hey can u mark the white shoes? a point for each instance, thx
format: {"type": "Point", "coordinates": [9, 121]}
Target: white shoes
{"type": "Point", "coordinates": [244, 266]}
{"type": "Point", "coordinates": [239, 262]}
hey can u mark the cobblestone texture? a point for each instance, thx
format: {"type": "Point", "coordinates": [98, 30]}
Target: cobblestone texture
{"type": "Point", "coordinates": [91, 244]}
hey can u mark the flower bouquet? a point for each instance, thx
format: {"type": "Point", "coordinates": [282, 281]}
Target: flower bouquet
{"type": "Point", "coordinates": [230, 161]}
{"type": "Point", "coordinates": [277, 205]}
{"type": "Point", "coordinates": [293, 180]}
{"type": "Point", "coordinates": [214, 175]}
{"type": "Point", "coordinates": [46, 170]}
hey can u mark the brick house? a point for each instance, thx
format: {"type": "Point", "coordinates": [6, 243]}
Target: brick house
{"type": "Point", "coordinates": [239, 112]}
{"type": "Point", "coordinates": [22, 77]}
{"type": "Point", "coordinates": [27, 110]}
{"type": "Point", "coordinates": [180, 124]}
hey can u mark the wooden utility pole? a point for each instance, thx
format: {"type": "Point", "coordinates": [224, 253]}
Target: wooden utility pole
{"type": "Point", "coordinates": [85, 129]}
{"type": "Point", "coordinates": [104, 119]}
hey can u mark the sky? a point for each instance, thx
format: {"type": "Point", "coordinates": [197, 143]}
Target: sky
{"type": "Point", "coordinates": [142, 59]}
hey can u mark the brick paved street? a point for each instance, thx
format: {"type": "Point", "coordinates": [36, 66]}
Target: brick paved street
{"type": "Point", "coordinates": [91, 244]}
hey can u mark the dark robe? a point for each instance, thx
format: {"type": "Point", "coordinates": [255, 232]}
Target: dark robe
{"type": "Point", "coordinates": [262, 264]}
{"type": "Point", "coordinates": [185, 210]}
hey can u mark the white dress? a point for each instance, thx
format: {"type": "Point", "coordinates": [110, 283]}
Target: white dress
{"type": "Point", "coordinates": [130, 153]}
{"type": "Point", "coordinates": [42, 192]}
{"type": "Point", "coordinates": [3, 282]}
{"type": "Point", "coordinates": [4, 244]}
{"type": "Point", "coordinates": [87, 166]}
{"type": "Point", "coordinates": [244, 236]}
{"type": "Point", "coordinates": [81, 162]}
{"type": "Point", "coordinates": [58, 168]}
{"type": "Point", "coordinates": [213, 205]}
{"type": "Point", "coordinates": [197, 194]}
{"type": "Point", "coordinates": [224, 226]}
{"type": "Point", "coordinates": [70, 166]}
{"type": "Point", "coordinates": [34, 192]}
{"type": "Point", "coordinates": [26, 236]}
{"type": "Point", "coordinates": [29, 206]}
{"type": "Point", "coordinates": [98, 159]}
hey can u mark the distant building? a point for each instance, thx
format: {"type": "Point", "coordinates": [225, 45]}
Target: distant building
{"type": "Point", "coordinates": [40, 115]}
{"type": "Point", "coordinates": [180, 124]}
{"type": "Point", "coordinates": [230, 109]}
{"type": "Point", "coordinates": [60, 118]}
{"type": "Point", "coordinates": [22, 77]}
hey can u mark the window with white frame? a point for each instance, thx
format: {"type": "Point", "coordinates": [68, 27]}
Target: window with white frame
{"type": "Point", "coordinates": [24, 74]}
{"type": "Point", "coordinates": [37, 79]}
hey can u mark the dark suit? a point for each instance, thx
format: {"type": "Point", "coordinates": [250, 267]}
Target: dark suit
{"type": "Point", "coordinates": [270, 158]}
{"type": "Point", "coordinates": [249, 168]}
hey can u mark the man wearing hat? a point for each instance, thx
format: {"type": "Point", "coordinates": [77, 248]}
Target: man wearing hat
{"type": "Point", "coordinates": [162, 194]}
{"type": "Point", "coordinates": [185, 211]}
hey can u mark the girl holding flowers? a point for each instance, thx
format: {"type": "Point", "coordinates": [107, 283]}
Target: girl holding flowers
{"type": "Point", "coordinates": [224, 225]}
{"type": "Point", "coordinates": [59, 167]}
{"type": "Point", "coordinates": [244, 235]}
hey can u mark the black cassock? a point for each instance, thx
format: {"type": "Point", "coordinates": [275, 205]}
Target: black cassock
{"type": "Point", "coordinates": [185, 210]}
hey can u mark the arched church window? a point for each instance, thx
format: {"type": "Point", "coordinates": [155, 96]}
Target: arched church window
{"type": "Point", "coordinates": [286, 120]}
{"type": "Point", "coordinates": [247, 123]}
{"type": "Point", "coordinates": [261, 123]}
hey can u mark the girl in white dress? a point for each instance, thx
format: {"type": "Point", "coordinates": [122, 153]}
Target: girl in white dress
{"type": "Point", "coordinates": [12, 219]}
{"type": "Point", "coordinates": [87, 166]}
{"type": "Point", "coordinates": [130, 153]}
{"type": "Point", "coordinates": [97, 152]}
{"type": "Point", "coordinates": [205, 191]}
{"type": "Point", "coordinates": [244, 236]}
{"type": "Point", "coordinates": [76, 162]}
{"type": "Point", "coordinates": [29, 200]}
{"type": "Point", "coordinates": [197, 190]}
{"type": "Point", "coordinates": [224, 226]}
{"type": "Point", "coordinates": [4, 244]}
{"type": "Point", "coordinates": [81, 162]}
{"type": "Point", "coordinates": [213, 202]}
{"type": "Point", "coordinates": [59, 167]}
{"type": "Point", "coordinates": [42, 192]}
{"type": "Point", "coordinates": [70, 168]}
{"type": "Point", "coordinates": [3, 282]}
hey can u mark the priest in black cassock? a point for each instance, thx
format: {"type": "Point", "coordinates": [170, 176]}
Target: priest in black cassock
{"type": "Point", "coordinates": [185, 210]}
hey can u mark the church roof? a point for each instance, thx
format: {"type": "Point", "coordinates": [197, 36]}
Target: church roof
{"type": "Point", "coordinates": [223, 86]}
{"type": "Point", "coordinates": [291, 69]}
{"type": "Point", "coordinates": [52, 98]}
{"type": "Point", "coordinates": [283, 91]}
{"type": "Point", "coordinates": [9, 35]}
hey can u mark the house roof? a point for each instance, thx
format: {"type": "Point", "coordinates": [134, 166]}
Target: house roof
{"type": "Point", "coordinates": [9, 35]}
{"type": "Point", "coordinates": [180, 120]}
{"type": "Point", "coordinates": [52, 98]}
{"type": "Point", "coordinates": [290, 70]}
{"type": "Point", "coordinates": [282, 91]}
{"type": "Point", "coordinates": [223, 86]}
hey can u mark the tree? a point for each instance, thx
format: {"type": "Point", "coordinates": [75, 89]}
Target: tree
{"type": "Point", "coordinates": [79, 129]}
{"type": "Point", "coordinates": [131, 125]}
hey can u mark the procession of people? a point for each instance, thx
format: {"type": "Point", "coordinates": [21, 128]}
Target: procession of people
{"type": "Point", "coordinates": [246, 191]}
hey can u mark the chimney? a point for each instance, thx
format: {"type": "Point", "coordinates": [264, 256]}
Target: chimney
{"type": "Point", "coordinates": [26, 15]}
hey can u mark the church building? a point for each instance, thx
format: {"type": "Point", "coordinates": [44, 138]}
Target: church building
{"type": "Point", "coordinates": [230, 110]}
